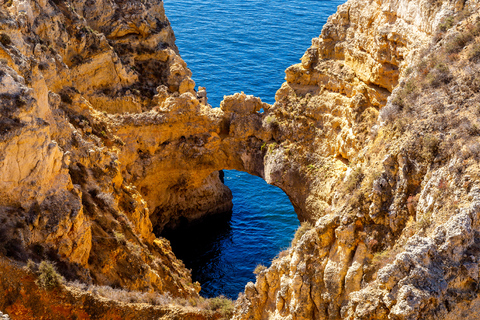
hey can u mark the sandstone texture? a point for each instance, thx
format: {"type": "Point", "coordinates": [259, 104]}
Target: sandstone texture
{"type": "Point", "coordinates": [65, 196]}
{"type": "Point", "coordinates": [374, 137]}
{"type": "Point", "coordinates": [373, 142]}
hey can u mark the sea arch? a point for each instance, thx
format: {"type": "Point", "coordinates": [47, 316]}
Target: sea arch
{"type": "Point", "coordinates": [173, 154]}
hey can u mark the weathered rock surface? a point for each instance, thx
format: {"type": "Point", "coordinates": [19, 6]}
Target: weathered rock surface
{"type": "Point", "coordinates": [390, 181]}
{"type": "Point", "coordinates": [374, 137]}
{"type": "Point", "coordinates": [65, 196]}
{"type": "Point", "coordinates": [25, 301]}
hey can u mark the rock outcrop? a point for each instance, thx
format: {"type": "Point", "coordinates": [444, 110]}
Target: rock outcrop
{"type": "Point", "coordinates": [374, 138]}
{"type": "Point", "coordinates": [64, 66]}
{"type": "Point", "coordinates": [24, 300]}
{"type": "Point", "coordinates": [389, 177]}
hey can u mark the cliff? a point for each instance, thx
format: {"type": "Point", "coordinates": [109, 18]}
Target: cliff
{"type": "Point", "coordinates": [65, 196]}
{"type": "Point", "coordinates": [374, 138]}
{"type": "Point", "coordinates": [375, 142]}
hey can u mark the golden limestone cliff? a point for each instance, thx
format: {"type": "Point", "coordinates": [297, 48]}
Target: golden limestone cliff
{"type": "Point", "coordinates": [69, 193]}
{"type": "Point", "coordinates": [386, 175]}
{"type": "Point", "coordinates": [374, 137]}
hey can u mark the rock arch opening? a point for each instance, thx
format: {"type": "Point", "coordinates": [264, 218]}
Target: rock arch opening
{"type": "Point", "coordinates": [223, 250]}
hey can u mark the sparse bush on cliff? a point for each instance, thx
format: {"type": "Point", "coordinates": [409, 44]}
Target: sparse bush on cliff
{"type": "Point", "coordinates": [48, 277]}
{"type": "Point", "coordinates": [384, 257]}
{"type": "Point", "coordinates": [259, 268]}
{"type": "Point", "coordinates": [304, 228]}
{"type": "Point", "coordinates": [282, 254]}
{"type": "Point", "coordinates": [474, 53]}
{"type": "Point", "coordinates": [403, 98]}
{"type": "Point", "coordinates": [222, 305]}
{"type": "Point", "coordinates": [446, 24]}
{"type": "Point", "coordinates": [31, 266]}
{"type": "Point", "coordinates": [353, 179]}
{"type": "Point", "coordinates": [270, 119]}
{"type": "Point", "coordinates": [120, 237]}
{"type": "Point", "coordinates": [424, 221]}
{"type": "Point", "coordinates": [439, 75]}
{"type": "Point", "coordinates": [430, 147]}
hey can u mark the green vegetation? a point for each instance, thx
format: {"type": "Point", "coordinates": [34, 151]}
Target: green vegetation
{"type": "Point", "coordinates": [271, 147]}
{"type": "Point", "coordinates": [222, 305]}
{"type": "Point", "coordinates": [439, 75]}
{"type": "Point", "coordinates": [447, 24]}
{"type": "Point", "coordinates": [120, 237]}
{"type": "Point", "coordinates": [48, 277]}
{"type": "Point", "coordinates": [31, 266]}
{"type": "Point", "coordinates": [474, 53]}
{"type": "Point", "coordinates": [384, 257]}
{"type": "Point", "coordinates": [430, 147]}
{"type": "Point", "coordinates": [270, 119]}
{"type": "Point", "coordinates": [353, 180]}
{"type": "Point", "coordinates": [425, 221]}
{"type": "Point", "coordinates": [263, 146]}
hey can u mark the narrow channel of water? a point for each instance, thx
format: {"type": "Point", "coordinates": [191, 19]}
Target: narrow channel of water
{"type": "Point", "coordinates": [223, 253]}
{"type": "Point", "coordinates": [233, 46]}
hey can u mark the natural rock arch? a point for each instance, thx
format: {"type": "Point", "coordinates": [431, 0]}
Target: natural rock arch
{"type": "Point", "coordinates": [173, 154]}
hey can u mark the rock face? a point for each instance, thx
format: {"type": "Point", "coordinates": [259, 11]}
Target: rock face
{"type": "Point", "coordinates": [64, 67]}
{"type": "Point", "coordinates": [374, 138]}
{"type": "Point", "coordinates": [388, 177]}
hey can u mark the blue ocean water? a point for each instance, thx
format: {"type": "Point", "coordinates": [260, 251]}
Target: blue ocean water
{"type": "Point", "coordinates": [233, 46]}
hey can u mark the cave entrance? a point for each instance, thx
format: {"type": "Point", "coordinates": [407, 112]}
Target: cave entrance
{"type": "Point", "coordinates": [223, 252]}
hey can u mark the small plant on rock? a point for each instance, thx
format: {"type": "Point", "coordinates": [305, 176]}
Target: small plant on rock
{"type": "Point", "coordinates": [304, 228]}
{"type": "Point", "coordinates": [48, 277]}
{"type": "Point", "coordinates": [259, 268]}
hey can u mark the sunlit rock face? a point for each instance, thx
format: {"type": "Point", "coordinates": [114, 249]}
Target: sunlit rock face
{"type": "Point", "coordinates": [359, 143]}
{"type": "Point", "coordinates": [66, 69]}
{"type": "Point", "coordinates": [372, 136]}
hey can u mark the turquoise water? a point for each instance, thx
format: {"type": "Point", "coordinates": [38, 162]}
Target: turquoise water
{"type": "Point", "coordinates": [234, 46]}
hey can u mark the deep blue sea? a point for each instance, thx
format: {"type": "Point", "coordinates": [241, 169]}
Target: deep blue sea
{"type": "Point", "coordinates": [233, 46]}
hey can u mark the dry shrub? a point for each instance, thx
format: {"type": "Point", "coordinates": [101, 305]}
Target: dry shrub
{"type": "Point", "coordinates": [439, 75]}
{"type": "Point", "coordinates": [430, 147]}
{"type": "Point", "coordinates": [353, 179]}
{"type": "Point", "coordinates": [304, 228]}
{"type": "Point", "coordinates": [259, 268]}
{"type": "Point", "coordinates": [48, 276]}
{"type": "Point", "coordinates": [474, 53]}
{"type": "Point", "coordinates": [222, 305]}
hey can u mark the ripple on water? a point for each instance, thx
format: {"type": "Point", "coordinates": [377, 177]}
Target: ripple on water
{"type": "Point", "coordinates": [234, 46]}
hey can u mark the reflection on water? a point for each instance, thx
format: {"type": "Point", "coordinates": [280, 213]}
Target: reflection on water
{"type": "Point", "coordinates": [223, 252]}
